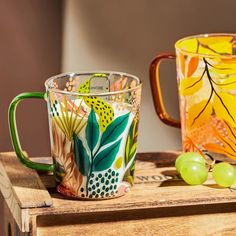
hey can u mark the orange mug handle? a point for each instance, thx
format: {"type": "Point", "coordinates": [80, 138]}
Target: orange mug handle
{"type": "Point", "coordinates": [156, 90]}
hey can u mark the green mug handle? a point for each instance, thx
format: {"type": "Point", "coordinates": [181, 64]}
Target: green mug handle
{"type": "Point", "coordinates": [14, 133]}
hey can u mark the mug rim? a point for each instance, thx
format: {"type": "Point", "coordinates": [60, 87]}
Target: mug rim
{"type": "Point", "coordinates": [48, 87]}
{"type": "Point", "coordinates": [207, 35]}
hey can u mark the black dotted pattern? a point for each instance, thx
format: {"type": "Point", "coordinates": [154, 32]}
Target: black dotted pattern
{"type": "Point", "coordinates": [53, 109]}
{"type": "Point", "coordinates": [103, 185]}
{"type": "Point", "coordinates": [103, 109]}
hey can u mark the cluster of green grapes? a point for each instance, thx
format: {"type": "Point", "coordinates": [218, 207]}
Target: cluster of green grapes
{"type": "Point", "coordinates": [193, 170]}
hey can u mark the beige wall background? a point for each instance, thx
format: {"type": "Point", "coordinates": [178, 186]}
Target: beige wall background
{"type": "Point", "coordinates": [30, 52]}
{"type": "Point", "coordinates": [125, 35]}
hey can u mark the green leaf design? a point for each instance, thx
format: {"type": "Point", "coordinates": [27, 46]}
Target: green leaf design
{"type": "Point", "coordinates": [104, 159]}
{"type": "Point", "coordinates": [103, 109]}
{"type": "Point", "coordinates": [81, 156]}
{"type": "Point", "coordinates": [115, 129]}
{"type": "Point", "coordinates": [92, 130]}
{"type": "Point", "coordinates": [131, 142]}
{"type": "Point", "coordinates": [129, 174]}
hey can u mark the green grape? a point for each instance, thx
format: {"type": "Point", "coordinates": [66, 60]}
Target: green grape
{"type": "Point", "coordinates": [188, 156]}
{"type": "Point", "coordinates": [224, 174]}
{"type": "Point", "coordinates": [193, 173]}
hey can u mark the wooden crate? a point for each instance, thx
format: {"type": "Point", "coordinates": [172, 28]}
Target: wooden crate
{"type": "Point", "coordinates": [159, 204]}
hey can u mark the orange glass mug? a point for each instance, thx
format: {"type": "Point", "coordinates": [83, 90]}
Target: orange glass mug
{"type": "Point", "coordinates": [206, 77]}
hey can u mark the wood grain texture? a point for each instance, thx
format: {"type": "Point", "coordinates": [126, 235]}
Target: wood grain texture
{"type": "Point", "coordinates": [160, 203]}
{"type": "Point", "coordinates": [214, 219]}
{"type": "Point", "coordinates": [152, 197]}
{"type": "Point", "coordinates": [11, 200]}
{"type": "Point", "coordinates": [10, 226]}
{"type": "Point", "coordinates": [25, 184]}
{"type": "Point", "coordinates": [161, 159]}
{"type": "Point", "coordinates": [191, 225]}
{"type": "Point", "coordinates": [156, 186]}
{"type": "Point", "coordinates": [22, 189]}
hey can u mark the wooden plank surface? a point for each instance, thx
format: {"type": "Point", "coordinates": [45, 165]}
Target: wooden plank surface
{"type": "Point", "coordinates": [156, 186]}
{"type": "Point", "coordinates": [162, 159]}
{"type": "Point", "coordinates": [213, 219]}
{"type": "Point", "coordinates": [10, 226]}
{"type": "Point", "coordinates": [160, 203]}
{"type": "Point", "coordinates": [218, 224]}
{"type": "Point", "coordinates": [22, 183]}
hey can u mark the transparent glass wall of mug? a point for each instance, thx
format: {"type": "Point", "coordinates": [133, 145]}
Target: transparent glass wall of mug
{"type": "Point", "coordinates": [94, 134]}
{"type": "Point", "coordinates": [206, 75]}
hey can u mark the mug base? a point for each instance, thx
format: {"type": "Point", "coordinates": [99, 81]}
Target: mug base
{"type": "Point", "coordinates": [66, 192]}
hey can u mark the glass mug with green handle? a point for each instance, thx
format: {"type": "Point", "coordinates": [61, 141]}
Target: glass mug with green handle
{"type": "Point", "coordinates": [206, 77]}
{"type": "Point", "coordinates": [93, 123]}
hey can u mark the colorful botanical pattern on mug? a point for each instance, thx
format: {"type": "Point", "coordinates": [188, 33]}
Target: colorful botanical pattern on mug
{"type": "Point", "coordinates": [94, 144]}
{"type": "Point", "coordinates": [207, 87]}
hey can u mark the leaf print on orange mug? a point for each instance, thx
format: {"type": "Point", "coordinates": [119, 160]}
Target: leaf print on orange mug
{"type": "Point", "coordinates": [206, 77]}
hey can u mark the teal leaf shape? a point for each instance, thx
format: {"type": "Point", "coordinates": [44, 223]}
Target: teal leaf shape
{"type": "Point", "coordinates": [81, 156]}
{"type": "Point", "coordinates": [92, 130]}
{"type": "Point", "coordinates": [104, 159]}
{"type": "Point", "coordinates": [115, 129]}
